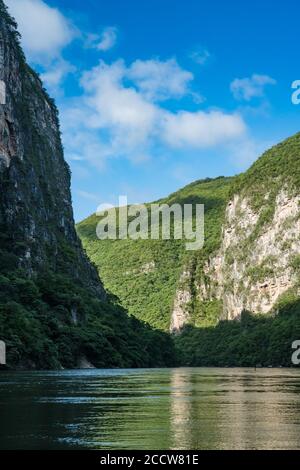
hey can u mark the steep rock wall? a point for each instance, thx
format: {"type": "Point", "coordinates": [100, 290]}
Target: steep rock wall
{"type": "Point", "coordinates": [36, 217]}
{"type": "Point", "coordinates": [257, 263]}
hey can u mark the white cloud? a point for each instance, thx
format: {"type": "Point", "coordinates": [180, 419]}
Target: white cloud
{"type": "Point", "coordinates": [159, 80]}
{"type": "Point", "coordinates": [56, 73]}
{"type": "Point", "coordinates": [44, 29]}
{"type": "Point", "coordinates": [120, 112]}
{"type": "Point", "coordinates": [119, 115]}
{"type": "Point", "coordinates": [200, 56]}
{"type": "Point", "coordinates": [244, 89]}
{"type": "Point", "coordinates": [121, 109]}
{"type": "Point", "coordinates": [202, 129]}
{"type": "Point", "coordinates": [83, 144]}
{"type": "Point", "coordinates": [107, 40]}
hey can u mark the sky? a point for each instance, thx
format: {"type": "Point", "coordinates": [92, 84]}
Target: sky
{"type": "Point", "coordinates": [154, 94]}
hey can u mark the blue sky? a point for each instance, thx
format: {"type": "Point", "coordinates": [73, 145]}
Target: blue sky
{"type": "Point", "coordinates": [154, 94]}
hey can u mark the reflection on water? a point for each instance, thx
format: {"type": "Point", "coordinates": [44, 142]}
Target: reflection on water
{"type": "Point", "coordinates": [151, 409]}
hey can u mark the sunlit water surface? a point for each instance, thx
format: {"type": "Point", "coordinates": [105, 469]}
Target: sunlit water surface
{"type": "Point", "coordinates": [151, 409]}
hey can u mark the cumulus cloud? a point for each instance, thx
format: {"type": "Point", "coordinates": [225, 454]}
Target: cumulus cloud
{"type": "Point", "coordinates": [109, 120]}
{"type": "Point", "coordinates": [122, 111]}
{"type": "Point", "coordinates": [201, 129]}
{"type": "Point", "coordinates": [44, 29]}
{"type": "Point", "coordinates": [158, 80]}
{"type": "Point", "coordinates": [244, 89]}
{"type": "Point", "coordinates": [120, 114]}
{"type": "Point", "coordinates": [127, 115]}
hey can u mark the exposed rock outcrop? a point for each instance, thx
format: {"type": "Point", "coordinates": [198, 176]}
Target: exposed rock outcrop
{"type": "Point", "coordinates": [84, 363]}
{"type": "Point", "coordinates": [257, 263]}
{"type": "Point", "coordinates": [180, 313]}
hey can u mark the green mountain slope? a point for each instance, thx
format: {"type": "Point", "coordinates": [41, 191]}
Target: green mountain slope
{"type": "Point", "coordinates": [279, 166]}
{"type": "Point", "coordinates": [249, 259]}
{"type": "Point", "coordinates": [145, 274]}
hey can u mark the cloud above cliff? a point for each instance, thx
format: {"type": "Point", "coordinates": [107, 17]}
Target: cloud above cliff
{"type": "Point", "coordinates": [45, 30]}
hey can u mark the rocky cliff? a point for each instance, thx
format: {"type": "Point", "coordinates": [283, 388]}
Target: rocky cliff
{"type": "Point", "coordinates": [259, 258]}
{"type": "Point", "coordinates": [35, 200]}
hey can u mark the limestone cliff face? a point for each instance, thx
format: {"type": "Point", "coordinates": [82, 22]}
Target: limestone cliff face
{"type": "Point", "coordinates": [254, 268]}
{"type": "Point", "coordinates": [181, 312]}
{"type": "Point", "coordinates": [258, 261]}
{"type": "Point", "coordinates": [36, 217]}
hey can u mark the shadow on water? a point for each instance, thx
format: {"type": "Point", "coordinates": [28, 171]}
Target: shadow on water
{"type": "Point", "coordinates": [184, 408]}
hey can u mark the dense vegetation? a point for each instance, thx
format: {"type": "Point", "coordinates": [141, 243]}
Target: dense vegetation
{"type": "Point", "coordinates": [278, 168]}
{"type": "Point", "coordinates": [258, 340]}
{"type": "Point", "coordinates": [144, 274]}
{"type": "Point", "coordinates": [52, 322]}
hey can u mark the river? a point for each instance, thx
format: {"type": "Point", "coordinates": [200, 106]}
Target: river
{"type": "Point", "coordinates": [151, 409]}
